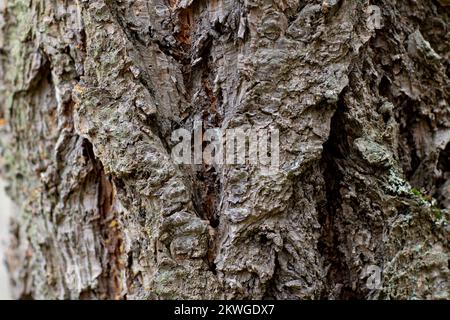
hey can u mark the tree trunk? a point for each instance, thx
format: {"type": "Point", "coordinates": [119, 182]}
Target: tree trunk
{"type": "Point", "coordinates": [92, 91]}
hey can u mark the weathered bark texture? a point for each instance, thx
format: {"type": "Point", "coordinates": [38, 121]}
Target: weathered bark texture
{"type": "Point", "coordinates": [91, 91]}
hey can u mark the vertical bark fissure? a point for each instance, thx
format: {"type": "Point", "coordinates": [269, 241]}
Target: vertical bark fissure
{"type": "Point", "coordinates": [334, 154]}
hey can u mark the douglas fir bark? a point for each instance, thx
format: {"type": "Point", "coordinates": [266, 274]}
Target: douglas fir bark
{"type": "Point", "coordinates": [92, 90]}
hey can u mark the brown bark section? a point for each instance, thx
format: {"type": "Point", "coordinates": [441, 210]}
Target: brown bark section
{"type": "Point", "coordinates": [92, 90]}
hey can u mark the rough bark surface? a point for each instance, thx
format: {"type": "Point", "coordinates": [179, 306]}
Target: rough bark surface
{"type": "Point", "coordinates": [91, 91]}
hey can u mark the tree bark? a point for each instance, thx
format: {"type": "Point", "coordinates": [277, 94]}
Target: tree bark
{"type": "Point", "coordinates": [92, 90]}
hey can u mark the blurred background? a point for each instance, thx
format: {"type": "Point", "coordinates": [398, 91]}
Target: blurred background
{"type": "Point", "coordinates": [5, 209]}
